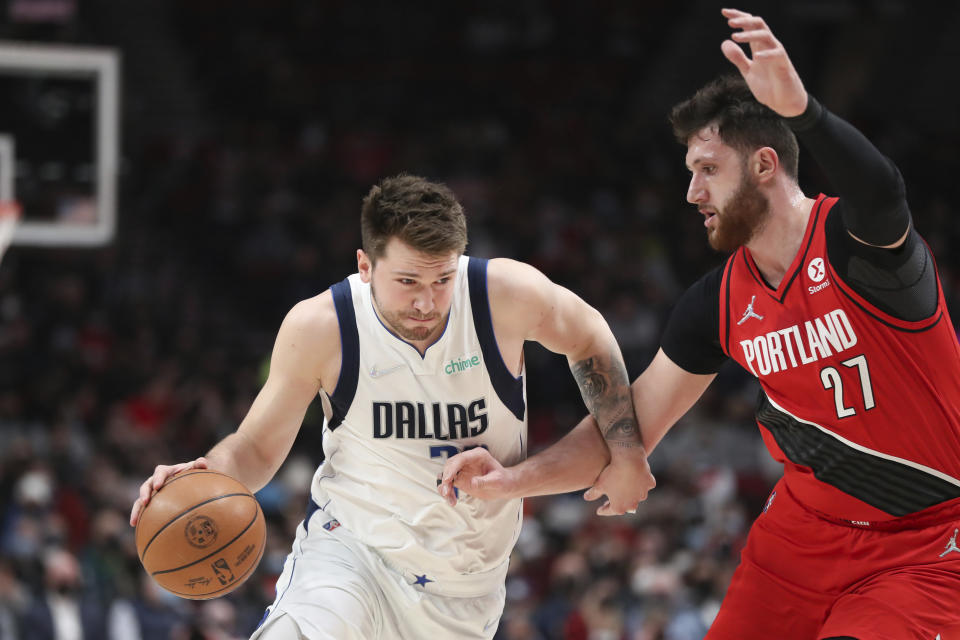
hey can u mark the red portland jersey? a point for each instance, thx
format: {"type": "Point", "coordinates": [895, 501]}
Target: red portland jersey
{"type": "Point", "coordinates": [863, 409]}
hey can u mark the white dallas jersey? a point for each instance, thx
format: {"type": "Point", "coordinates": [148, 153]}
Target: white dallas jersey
{"type": "Point", "coordinates": [395, 417]}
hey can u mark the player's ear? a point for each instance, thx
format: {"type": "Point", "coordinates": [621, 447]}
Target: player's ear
{"type": "Point", "coordinates": [763, 164]}
{"type": "Point", "coordinates": [364, 266]}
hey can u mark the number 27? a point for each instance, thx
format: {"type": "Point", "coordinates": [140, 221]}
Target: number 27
{"type": "Point", "coordinates": [831, 380]}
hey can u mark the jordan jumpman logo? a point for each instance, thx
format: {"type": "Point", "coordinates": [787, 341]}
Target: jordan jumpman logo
{"type": "Point", "coordinates": [749, 313]}
{"type": "Point", "coordinates": [952, 545]}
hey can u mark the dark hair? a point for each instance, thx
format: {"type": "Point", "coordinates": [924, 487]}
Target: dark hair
{"type": "Point", "coordinates": [743, 123]}
{"type": "Point", "coordinates": [423, 214]}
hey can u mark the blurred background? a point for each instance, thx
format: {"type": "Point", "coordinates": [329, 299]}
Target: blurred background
{"type": "Point", "coordinates": [249, 132]}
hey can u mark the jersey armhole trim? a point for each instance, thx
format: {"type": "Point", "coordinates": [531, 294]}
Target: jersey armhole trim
{"type": "Point", "coordinates": [509, 388]}
{"type": "Point", "coordinates": [724, 302]}
{"type": "Point", "coordinates": [346, 388]}
{"type": "Point", "coordinates": [917, 326]}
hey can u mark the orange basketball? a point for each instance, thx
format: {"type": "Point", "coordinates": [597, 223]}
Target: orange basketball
{"type": "Point", "coordinates": [201, 535]}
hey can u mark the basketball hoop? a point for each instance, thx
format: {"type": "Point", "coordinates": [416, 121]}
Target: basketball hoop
{"type": "Point", "coordinates": [9, 216]}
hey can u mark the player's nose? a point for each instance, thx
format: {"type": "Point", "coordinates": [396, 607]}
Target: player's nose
{"type": "Point", "coordinates": [424, 302]}
{"type": "Point", "coordinates": [696, 193]}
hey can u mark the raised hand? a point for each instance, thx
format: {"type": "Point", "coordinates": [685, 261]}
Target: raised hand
{"type": "Point", "coordinates": [769, 72]}
{"type": "Point", "coordinates": [476, 472]}
{"type": "Point", "coordinates": [157, 480]}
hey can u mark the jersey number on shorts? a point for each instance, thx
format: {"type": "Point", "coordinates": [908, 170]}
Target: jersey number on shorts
{"type": "Point", "coordinates": [831, 380]}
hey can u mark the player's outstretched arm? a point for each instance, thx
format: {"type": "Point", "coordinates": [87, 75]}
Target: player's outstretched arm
{"type": "Point", "coordinates": [661, 395]}
{"type": "Point", "coordinates": [875, 210]}
{"type": "Point", "coordinates": [528, 306]}
{"type": "Point", "coordinates": [572, 463]}
{"type": "Point", "coordinates": [307, 340]}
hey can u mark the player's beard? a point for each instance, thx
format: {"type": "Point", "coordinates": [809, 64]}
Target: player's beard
{"type": "Point", "coordinates": [394, 321]}
{"type": "Point", "coordinates": [741, 218]}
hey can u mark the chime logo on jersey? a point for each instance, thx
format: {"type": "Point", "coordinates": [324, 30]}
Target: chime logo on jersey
{"type": "Point", "coordinates": [462, 363]}
{"type": "Point", "coordinates": [437, 421]}
{"type": "Point", "coordinates": [799, 344]}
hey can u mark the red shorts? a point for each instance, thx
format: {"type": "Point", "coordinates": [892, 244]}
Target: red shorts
{"type": "Point", "coordinates": [805, 577]}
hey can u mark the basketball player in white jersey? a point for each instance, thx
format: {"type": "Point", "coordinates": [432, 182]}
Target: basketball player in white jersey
{"type": "Point", "coordinates": [416, 357]}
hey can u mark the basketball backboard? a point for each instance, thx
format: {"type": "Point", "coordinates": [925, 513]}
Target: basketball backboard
{"type": "Point", "coordinates": [59, 142]}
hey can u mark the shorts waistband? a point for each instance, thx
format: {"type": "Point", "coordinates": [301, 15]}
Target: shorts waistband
{"type": "Point", "coordinates": [931, 516]}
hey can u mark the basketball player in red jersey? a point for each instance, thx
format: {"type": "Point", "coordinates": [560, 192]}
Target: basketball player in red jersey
{"type": "Point", "coordinates": [834, 304]}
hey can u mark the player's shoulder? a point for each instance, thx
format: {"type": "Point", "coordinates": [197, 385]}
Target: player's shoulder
{"type": "Point", "coordinates": [513, 278]}
{"type": "Point", "coordinates": [691, 337]}
{"type": "Point", "coordinates": [507, 267]}
{"type": "Point", "coordinates": [701, 300]}
{"type": "Point", "coordinates": [313, 318]}
{"type": "Point", "coordinates": [520, 296]}
{"type": "Point", "coordinates": [707, 286]}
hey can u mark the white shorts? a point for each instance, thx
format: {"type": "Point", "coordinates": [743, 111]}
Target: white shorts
{"type": "Point", "coordinates": [336, 588]}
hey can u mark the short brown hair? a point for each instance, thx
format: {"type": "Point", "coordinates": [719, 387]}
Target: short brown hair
{"type": "Point", "coordinates": [423, 214]}
{"type": "Point", "coordinates": [743, 123]}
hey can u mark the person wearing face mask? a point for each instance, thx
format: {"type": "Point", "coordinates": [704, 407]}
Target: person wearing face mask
{"type": "Point", "coordinates": [63, 610]}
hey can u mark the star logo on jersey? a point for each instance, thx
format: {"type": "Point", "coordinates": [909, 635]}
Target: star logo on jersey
{"type": "Point", "coordinates": [750, 313]}
{"type": "Point", "coordinates": [377, 372]}
{"type": "Point", "coordinates": [816, 270]}
{"type": "Point", "coordinates": [421, 580]}
{"type": "Point", "coordinates": [952, 544]}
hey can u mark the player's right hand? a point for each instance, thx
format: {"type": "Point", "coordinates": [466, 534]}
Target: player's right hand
{"type": "Point", "coordinates": [160, 475]}
{"type": "Point", "coordinates": [476, 472]}
{"type": "Point", "coordinates": [626, 482]}
{"type": "Point", "coordinates": [770, 74]}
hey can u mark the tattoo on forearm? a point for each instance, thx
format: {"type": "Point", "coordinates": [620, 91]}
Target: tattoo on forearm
{"type": "Point", "coordinates": [622, 429]}
{"type": "Point", "coordinates": [625, 444]}
{"type": "Point", "coordinates": [606, 391]}
{"type": "Point", "coordinates": [592, 382]}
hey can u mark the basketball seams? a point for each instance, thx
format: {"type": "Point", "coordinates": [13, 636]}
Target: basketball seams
{"type": "Point", "coordinates": [241, 578]}
{"type": "Point", "coordinates": [188, 510]}
{"type": "Point", "coordinates": [256, 515]}
{"type": "Point", "coordinates": [170, 481]}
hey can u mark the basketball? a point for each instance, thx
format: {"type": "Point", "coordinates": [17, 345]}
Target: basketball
{"type": "Point", "coordinates": [201, 535]}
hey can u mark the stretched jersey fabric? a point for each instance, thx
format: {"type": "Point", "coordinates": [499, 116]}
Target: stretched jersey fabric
{"type": "Point", "coordinates": [862, 408]}
{"type": "Point", "coordinates": [394, 418]}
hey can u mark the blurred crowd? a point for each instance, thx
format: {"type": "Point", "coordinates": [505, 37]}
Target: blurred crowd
{"type": "Point", "coordinates": [550, 126]}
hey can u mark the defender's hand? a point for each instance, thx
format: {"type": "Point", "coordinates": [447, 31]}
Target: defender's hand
{"type": "Point", "coordinates": [154, 482]}
{"type": "Point", "coordinates": [626, 482]}
{"type": "Point", "coordinates": [769, 74]}
{"type": "Point", "coordinates": [476, 472]}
